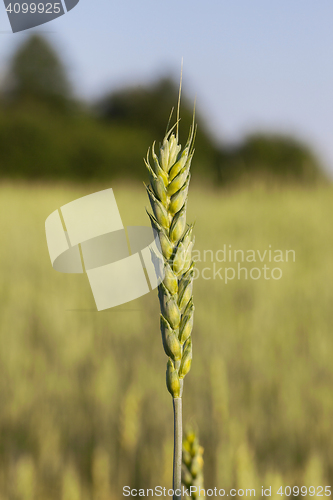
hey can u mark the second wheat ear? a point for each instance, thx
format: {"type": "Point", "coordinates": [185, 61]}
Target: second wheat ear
{"type": "Point", "coordinates": [169, 175]}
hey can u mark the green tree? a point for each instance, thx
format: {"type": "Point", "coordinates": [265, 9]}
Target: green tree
{"type": "Point", "coordinates": [147, 108]}
{"type": "Point", "coordinates": [36, 73]}
{"type": "Point", "coordinates": [269, 157]}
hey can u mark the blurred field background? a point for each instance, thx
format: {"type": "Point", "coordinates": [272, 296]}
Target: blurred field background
{"type": "Point", "coordinates": [84, 409]}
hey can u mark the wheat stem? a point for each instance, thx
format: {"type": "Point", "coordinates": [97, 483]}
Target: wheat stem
{"type": "Point", "coordinates": [177, 452]}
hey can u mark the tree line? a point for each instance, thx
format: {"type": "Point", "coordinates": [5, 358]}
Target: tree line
{"type": "Point", "coordinates": [46, 132]}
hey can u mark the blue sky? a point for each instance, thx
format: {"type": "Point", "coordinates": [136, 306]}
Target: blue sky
{"type": "Point", "coordinates": [253, 64]}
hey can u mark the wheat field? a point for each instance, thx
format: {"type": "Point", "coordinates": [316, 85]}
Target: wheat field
{"type": "Point", "coordinates": [84, 410]}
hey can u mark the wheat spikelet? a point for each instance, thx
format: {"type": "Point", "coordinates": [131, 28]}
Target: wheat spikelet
{"type": "Point", "coordinates": [169, 175]}
{"type": "Point", "coordinates": [192, 463]}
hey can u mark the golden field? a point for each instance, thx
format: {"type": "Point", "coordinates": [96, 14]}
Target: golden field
{"type": "Point", "coordinates": [84, 409]}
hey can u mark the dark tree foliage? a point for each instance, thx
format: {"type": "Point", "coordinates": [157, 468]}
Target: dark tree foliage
{"type": "Point", "coordinates": [269, 157]}
{"type": "Point", "coordinates": [149, 107]}
{"type": "Point", "coordinates": [44, 133]}
{"type": "Point", "coordinates": [37, 74]}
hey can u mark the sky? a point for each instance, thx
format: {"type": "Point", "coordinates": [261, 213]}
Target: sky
{"type": "Point", "coordinates": [254, 65]}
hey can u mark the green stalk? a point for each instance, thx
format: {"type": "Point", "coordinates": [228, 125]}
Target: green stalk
{"type": "Point", "coordinates": [177, 453]}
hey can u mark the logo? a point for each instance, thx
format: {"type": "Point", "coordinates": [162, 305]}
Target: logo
{"type": "Point", "coordinates": [87, 235]}
{"type": "Point", "coordinates": [26, 14]}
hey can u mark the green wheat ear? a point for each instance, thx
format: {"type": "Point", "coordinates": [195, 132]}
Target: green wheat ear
{"type": "Point", "coordinates": [192, 466]}
{"type": "Point", "coordinates": [169, 175]}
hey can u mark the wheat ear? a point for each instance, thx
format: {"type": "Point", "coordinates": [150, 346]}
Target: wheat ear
{"type": "Point", "coordinates": [192, 463]}
{"type": "Point", "coordinates": [169, 175]}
